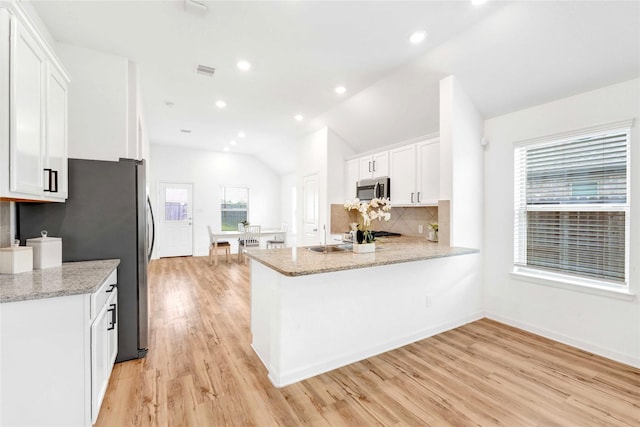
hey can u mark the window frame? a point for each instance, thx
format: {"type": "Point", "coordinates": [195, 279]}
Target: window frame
{"type": "Point", "coordinates": [564, 280]}
{"type": "Point", "coordinates": [223, 192]}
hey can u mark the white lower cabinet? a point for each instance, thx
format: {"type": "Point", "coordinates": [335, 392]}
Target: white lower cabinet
{"type": "Point", "coordinates": [57, 357]}
{"type": "Point", "coordinates": [104, 348]}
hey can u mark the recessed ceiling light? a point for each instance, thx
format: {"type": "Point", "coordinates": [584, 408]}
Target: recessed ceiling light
{"type": "Point", "coordinates": [226, 149]}
{"type": "Point", "coordinates": [221, 104]}
{"type": "Point", "coordinates": [233, 142]}
{"type": "Point", "coordinates": [418, 37]}
{"type": "Point", "coordinates": [478, 2]}
{"type": "Point", "coordinates": [243, 65]}
{"type": "Point", "coordinates": [340, 90]}
{"type": "Point", "coordinates": [241, 134]}
{"type": "Point", "coordinates": [299, 117]}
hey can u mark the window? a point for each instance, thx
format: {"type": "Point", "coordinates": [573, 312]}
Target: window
{"type": "Point", "coordinates": [234, 207]}
{"type": "Point", "coordinates": [572, 207]}
{"type": "Point", "coordinates": [176, 207]}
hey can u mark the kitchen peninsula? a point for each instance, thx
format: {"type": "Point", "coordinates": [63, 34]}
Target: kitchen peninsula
{"type": "Point", "coordinates": [313, 312]}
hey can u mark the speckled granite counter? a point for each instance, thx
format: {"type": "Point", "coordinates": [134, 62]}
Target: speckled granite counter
{"type": "Point", "coordinates": [71, 278]}
{"type": "Point", "coordinates": [391, 250]}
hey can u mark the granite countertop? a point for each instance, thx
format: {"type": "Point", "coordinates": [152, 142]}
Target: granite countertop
{"type": "Point", "coordinates": [72, 278]}
{"type": "Point", "coordinates": [389, 250]}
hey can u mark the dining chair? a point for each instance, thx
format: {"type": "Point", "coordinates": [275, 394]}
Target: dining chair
{"type": "Point", "coordinates": [250, 239]}
{"type": "Point", "coordinates": [279, 240]}
{"type": "Point", "coordinates": [221, 245]}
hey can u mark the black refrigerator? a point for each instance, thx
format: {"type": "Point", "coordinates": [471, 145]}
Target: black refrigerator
{"type": "Point", "coordinates": [107, 215]}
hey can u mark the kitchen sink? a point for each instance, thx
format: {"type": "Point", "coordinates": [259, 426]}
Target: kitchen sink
{"type": "Point", "coordinates": [330, 248]}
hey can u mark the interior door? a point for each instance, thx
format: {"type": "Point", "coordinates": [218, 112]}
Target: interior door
{"type": "Point", "coordinates": [175, 220]}
{"type": "Point", "coordinates": [310, 231]}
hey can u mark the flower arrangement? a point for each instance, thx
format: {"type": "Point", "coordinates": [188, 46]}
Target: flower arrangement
{"type": "Point", "coordinates": [372, 210]}
{"type": "Point", "coordinates": [433, 234]}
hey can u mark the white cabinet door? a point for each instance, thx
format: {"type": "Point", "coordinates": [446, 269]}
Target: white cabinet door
{"type": "Point", "coordinates": [374, 166]}
{"type": "Point", "coordinates": [380, 164]}
{"type": "Point", "coordinates": [365, 171]}
{"type": "Point", "coordinates": [428, 172]}
{"type": "Point", "coordinates": [112, 331]}
{"type": "Point", "coordinates": [403, 175]}
{"type": "Point", "coordinates": [98, 360]}
{"type": "Point", "coordinates": [27, 106]}
{"type": "Point", "coordinates": [351, 178]}
{"type": "Point", "coordinates": [104, 348]}
{"type": "Point", "coordinates": [56, 136]}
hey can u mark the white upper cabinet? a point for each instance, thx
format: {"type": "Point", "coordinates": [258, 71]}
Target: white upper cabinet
{"type": "Point", "coordinates": [428, 172]}
{"type": "Point", "coordinates": [28, 65]}
{"type": "Point", "coordinates": [415, 173]}
{"type": "Point", "coordinates": [56, 135]}
{"type": "Point", "coordinates": [33, 113]}
{"type": "Point", "coordinates": [403, 175]}
{"type": "Point", "coordinates": [374, 166]}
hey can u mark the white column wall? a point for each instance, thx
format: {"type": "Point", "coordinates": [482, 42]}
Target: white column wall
{"type": "Point", "coordinates": [600, 324]}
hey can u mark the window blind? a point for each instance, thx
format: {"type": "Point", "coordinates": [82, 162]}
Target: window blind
{"type": "Point", "coordinates": [571, 206]}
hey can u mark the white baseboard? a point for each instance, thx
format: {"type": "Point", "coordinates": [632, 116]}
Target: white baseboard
{"type": "Point", "coordinates": [287, 378]}
{"type": "Point", "coordinates": [627, 359]}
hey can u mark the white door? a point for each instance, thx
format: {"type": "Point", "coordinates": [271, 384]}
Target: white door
{"type": "Point", "coordinates": [310, 233]}
{"type": "Point", "coordinates": [175, 222]}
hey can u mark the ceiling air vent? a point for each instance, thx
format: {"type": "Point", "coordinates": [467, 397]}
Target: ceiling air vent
{"type": "Point", "coordinates": [205, 71]}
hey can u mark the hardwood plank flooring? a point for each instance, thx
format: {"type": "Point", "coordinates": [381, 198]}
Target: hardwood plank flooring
{"type": "Point", "coordinates": [201, 371]}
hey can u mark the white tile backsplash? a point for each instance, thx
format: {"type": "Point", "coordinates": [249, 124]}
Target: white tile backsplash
{"type": "Point", "coordinates": [405, 221]}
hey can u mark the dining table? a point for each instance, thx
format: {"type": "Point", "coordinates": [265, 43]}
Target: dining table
{"type": "Point", "coordinates": [230, 234]}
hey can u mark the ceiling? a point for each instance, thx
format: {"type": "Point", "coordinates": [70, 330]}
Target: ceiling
{"type": "Point", "coordinates": [508, 56]}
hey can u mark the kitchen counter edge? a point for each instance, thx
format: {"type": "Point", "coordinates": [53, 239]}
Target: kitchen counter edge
{"type": "Point", "coordinates": [307, 263]}
{"type": "Point", "coordinates": [71, 278]}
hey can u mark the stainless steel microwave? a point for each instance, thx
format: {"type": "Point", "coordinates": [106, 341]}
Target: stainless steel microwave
{"type": "Point", "coordinates": [368, 189]}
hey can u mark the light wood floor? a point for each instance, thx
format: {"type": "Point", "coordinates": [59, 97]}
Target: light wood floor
{"type": "Point", "coordinates": [201, 371]}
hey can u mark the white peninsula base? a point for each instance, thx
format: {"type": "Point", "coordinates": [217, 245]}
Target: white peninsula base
{"type": "Point", "coordinates": [305, 325]}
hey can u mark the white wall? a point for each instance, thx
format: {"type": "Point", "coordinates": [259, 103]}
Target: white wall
{"type": "Point", "coordinates": [208, 171]}
{"type": "Point", "coordinates": [461, 128]}
{"type": "Point", "coordinates": [288, 184]}
{"type": "Point", "coordinates": [337, 152]}
{"type": "Point", "coordinates": [600, 324]}
{"type": "Point", "coordinates": [98, 103]}
{"type": "Point", "coordinates": [312, 159]}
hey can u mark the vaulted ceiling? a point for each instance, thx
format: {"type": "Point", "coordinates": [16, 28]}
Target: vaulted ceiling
{"type": "Point", "coordinates": [508, 56]}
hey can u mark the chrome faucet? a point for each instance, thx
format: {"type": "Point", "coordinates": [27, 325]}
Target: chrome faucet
{"type": "Point", "coordinates": [324, 227]}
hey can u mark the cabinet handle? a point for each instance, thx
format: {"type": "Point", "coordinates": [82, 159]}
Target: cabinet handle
{"type": "Point", "coordinates": [370, 167]}
{"type": "Point", "coordinates": [113, 286]}
{"type": "Point", "coordinates": [113, 317]}
{"type": "Point", "coordinates": [47, 171]}
{"type": "Point", "coordinates": [374, 165]}
{"type": "Point", "coordinates": [55, 182]}
{"type": "Point", "coordinates": [418, 197]}
{"type": "Point", "coordinates": [52, 179]}
{"type": "Point", "coordinates": [411, 197]}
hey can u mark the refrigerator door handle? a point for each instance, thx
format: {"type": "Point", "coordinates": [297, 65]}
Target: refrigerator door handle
{"type": "Point", "coordinates": [153, 229]}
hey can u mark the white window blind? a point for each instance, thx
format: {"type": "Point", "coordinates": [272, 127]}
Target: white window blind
{"type": "Point", "coordinates": [572, 205]}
